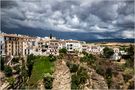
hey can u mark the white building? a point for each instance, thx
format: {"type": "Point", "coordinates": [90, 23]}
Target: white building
{"type": "Point", "coordinates": [94, 49]}
{"type": "Point", "coordinates": [2, 45]}
{"type": "Point", "coordinates": [123, 53]}
{"type": "Point", "coordinates": [45, 46]}
{"type": "Point", "coordinates": [73, 45]}
{"type": "Point", "coordinates": [116, 56]}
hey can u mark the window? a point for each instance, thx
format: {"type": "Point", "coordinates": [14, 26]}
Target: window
{"type": "Point", "coordinates": [33, 43]}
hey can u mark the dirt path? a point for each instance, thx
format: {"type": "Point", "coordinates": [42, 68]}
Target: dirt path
{"type": "Point", "coordinates": [62, 77]}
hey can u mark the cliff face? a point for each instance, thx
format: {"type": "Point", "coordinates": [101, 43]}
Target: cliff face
{"type": "Point", "coordinates": [62, 77]}
{"type": "Point", "coordinates": [95, 81]}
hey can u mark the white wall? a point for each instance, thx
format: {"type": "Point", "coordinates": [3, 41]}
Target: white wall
{"type": "Point", "coordinates": [2, 46]}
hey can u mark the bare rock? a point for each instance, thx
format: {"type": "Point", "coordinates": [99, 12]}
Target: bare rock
{"type": "Point", "coordinates": [62, 77]}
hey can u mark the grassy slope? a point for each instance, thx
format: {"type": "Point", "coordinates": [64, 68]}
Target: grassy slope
{"type": "Point", "coordinates": [41, 66]}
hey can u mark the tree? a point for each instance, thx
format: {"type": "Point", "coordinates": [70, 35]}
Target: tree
{"type": "Point", "coordinates": [109, 76]}
{"type": "Point", "coordinates": [1, 63]}
{"type": "Point", "coordinates": [129, 57]}
{"type": "Point", "coordinates": [30, 62]}
{"type": "Point", "coordinates": [108, 52]}
{"type": "Point", "coordinates": [24, 74]}
{"type": "Point", "coordinates": [52, 58]}
{"type": "Point", "coordinates": [63, 50]}
{"type": "Point", "coordinates": [8, 71]}
{"type": "Point", "coordinates": [130, 51]}
{"type": "Point", "coordinates": [89, 58]}
{"type": "Point", "coordinates": [48, 82]}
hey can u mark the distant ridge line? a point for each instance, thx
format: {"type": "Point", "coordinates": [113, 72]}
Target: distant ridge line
{"type": "Point", "coordinates": [112, 40]}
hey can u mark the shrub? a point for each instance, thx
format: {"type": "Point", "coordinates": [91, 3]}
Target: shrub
{"type": "Point", "coordinates": [100, 70]}
{"type": "Point", "coordinates": [79, 78]}
{"type": "Point", "coordinates": [88, 58]}
{"type": "Point", "coordinates": [131, 85]}
{"type": "Point", "coordinates": [128, 74]}
{"type": "Point", "coordinates": [73, 67]}
{"type": "Point", "coordinates": [17, 68]}
{"type": "Point", "coordinates": [15, 60]}
{"type": "Point", "coordinates": [63, 50]}
{"type": "Point", "coordinates": [48, 82]}
{"type": "Point", "coordinates": [11, 81]}
{"type": "Point", "coordinates": [52, 58]}
{"type": "Point", "coordinates": [8, 71]}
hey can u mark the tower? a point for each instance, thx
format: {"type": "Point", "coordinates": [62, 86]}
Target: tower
{"type": "Point", "coordinates": [50, 36]}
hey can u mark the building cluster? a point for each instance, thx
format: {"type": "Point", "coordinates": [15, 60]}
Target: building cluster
{"type": "Point", "coordinates": [15, 45]}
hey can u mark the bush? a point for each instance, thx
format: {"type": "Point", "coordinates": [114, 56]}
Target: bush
{"type": "Point", "coordinates": [52, 58]}
{"type": "Point", "coordinates": [63, 50]}
{"type": "Point", "coordinates": [84, 53]}
{"type": "Point", "coordinates": [100, 70]}
{"type": "Point", "coordinates": [127, 77]}
{"type": "Point", "coordinates": [73, 67]}
{"type": "Point", "coordinates": [128, 74]}
{"type": "Point", "coordinates": [48, 82]}
{"type": "Point", "coordinates": [15, 60]}
{"type": "Point", "coordinates": [17, 68]}
{"type": "Point", "coordinates": [131, 85]}
{"type": "Point", "coordinates": [129, 63]}
{"type": "Point", "coordinates": [79, 78]}
{"type": "Point", "coordinates": [11, 81]}
{"type": "Point", "coordinates": [88, 58]}
{"type": "Point", "coordinates": [8, 71]}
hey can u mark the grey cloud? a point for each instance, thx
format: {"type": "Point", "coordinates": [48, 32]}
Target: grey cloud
{"type": "Point", "coordinates": [71, 16]}
{"type": "Point", "coordinates": [8, 3]}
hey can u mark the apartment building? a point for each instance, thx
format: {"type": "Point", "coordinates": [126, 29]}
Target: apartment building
{"type": "Point", "coordinates": [45, 46]}
{"type": "Point", "coordinates": [73, 45]}
{"type": "Point", "coordinates": [2, 45]}
{"type": "Point", "coordinates": [85, 47]}
{"type": "Point", "coordinates": [94, 49]}
{"type": "Point", "coordinates": [53, 47]}
{"type": "Point", "coordinates": [15, 45]}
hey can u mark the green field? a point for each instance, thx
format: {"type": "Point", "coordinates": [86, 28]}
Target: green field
{"type": "Point", "coordinates": [41, 66]}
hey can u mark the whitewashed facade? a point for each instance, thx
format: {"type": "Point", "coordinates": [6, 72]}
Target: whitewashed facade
{"type": "Point", "coordinates": [2, 46]}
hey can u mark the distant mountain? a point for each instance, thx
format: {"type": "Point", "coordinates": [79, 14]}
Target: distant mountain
{"type": "Point", "coordinates": [127, 40]}
{"type": "Point", "coordinates": [88, 37]}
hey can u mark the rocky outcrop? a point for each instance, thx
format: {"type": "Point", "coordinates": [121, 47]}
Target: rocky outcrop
{"type": "Point", "coordinates": [95, 81]}
{"type": "Point", "coordinates": [62, 77]}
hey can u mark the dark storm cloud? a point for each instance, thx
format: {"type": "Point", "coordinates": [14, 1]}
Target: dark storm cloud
{"type": "Point", "coordinates": [94, 17]}
{"type": "Point", "coordinates": [8, 4]}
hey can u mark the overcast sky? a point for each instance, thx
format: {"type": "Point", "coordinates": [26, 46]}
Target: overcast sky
{"type": "Point", "coordinates": [79, 19]}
